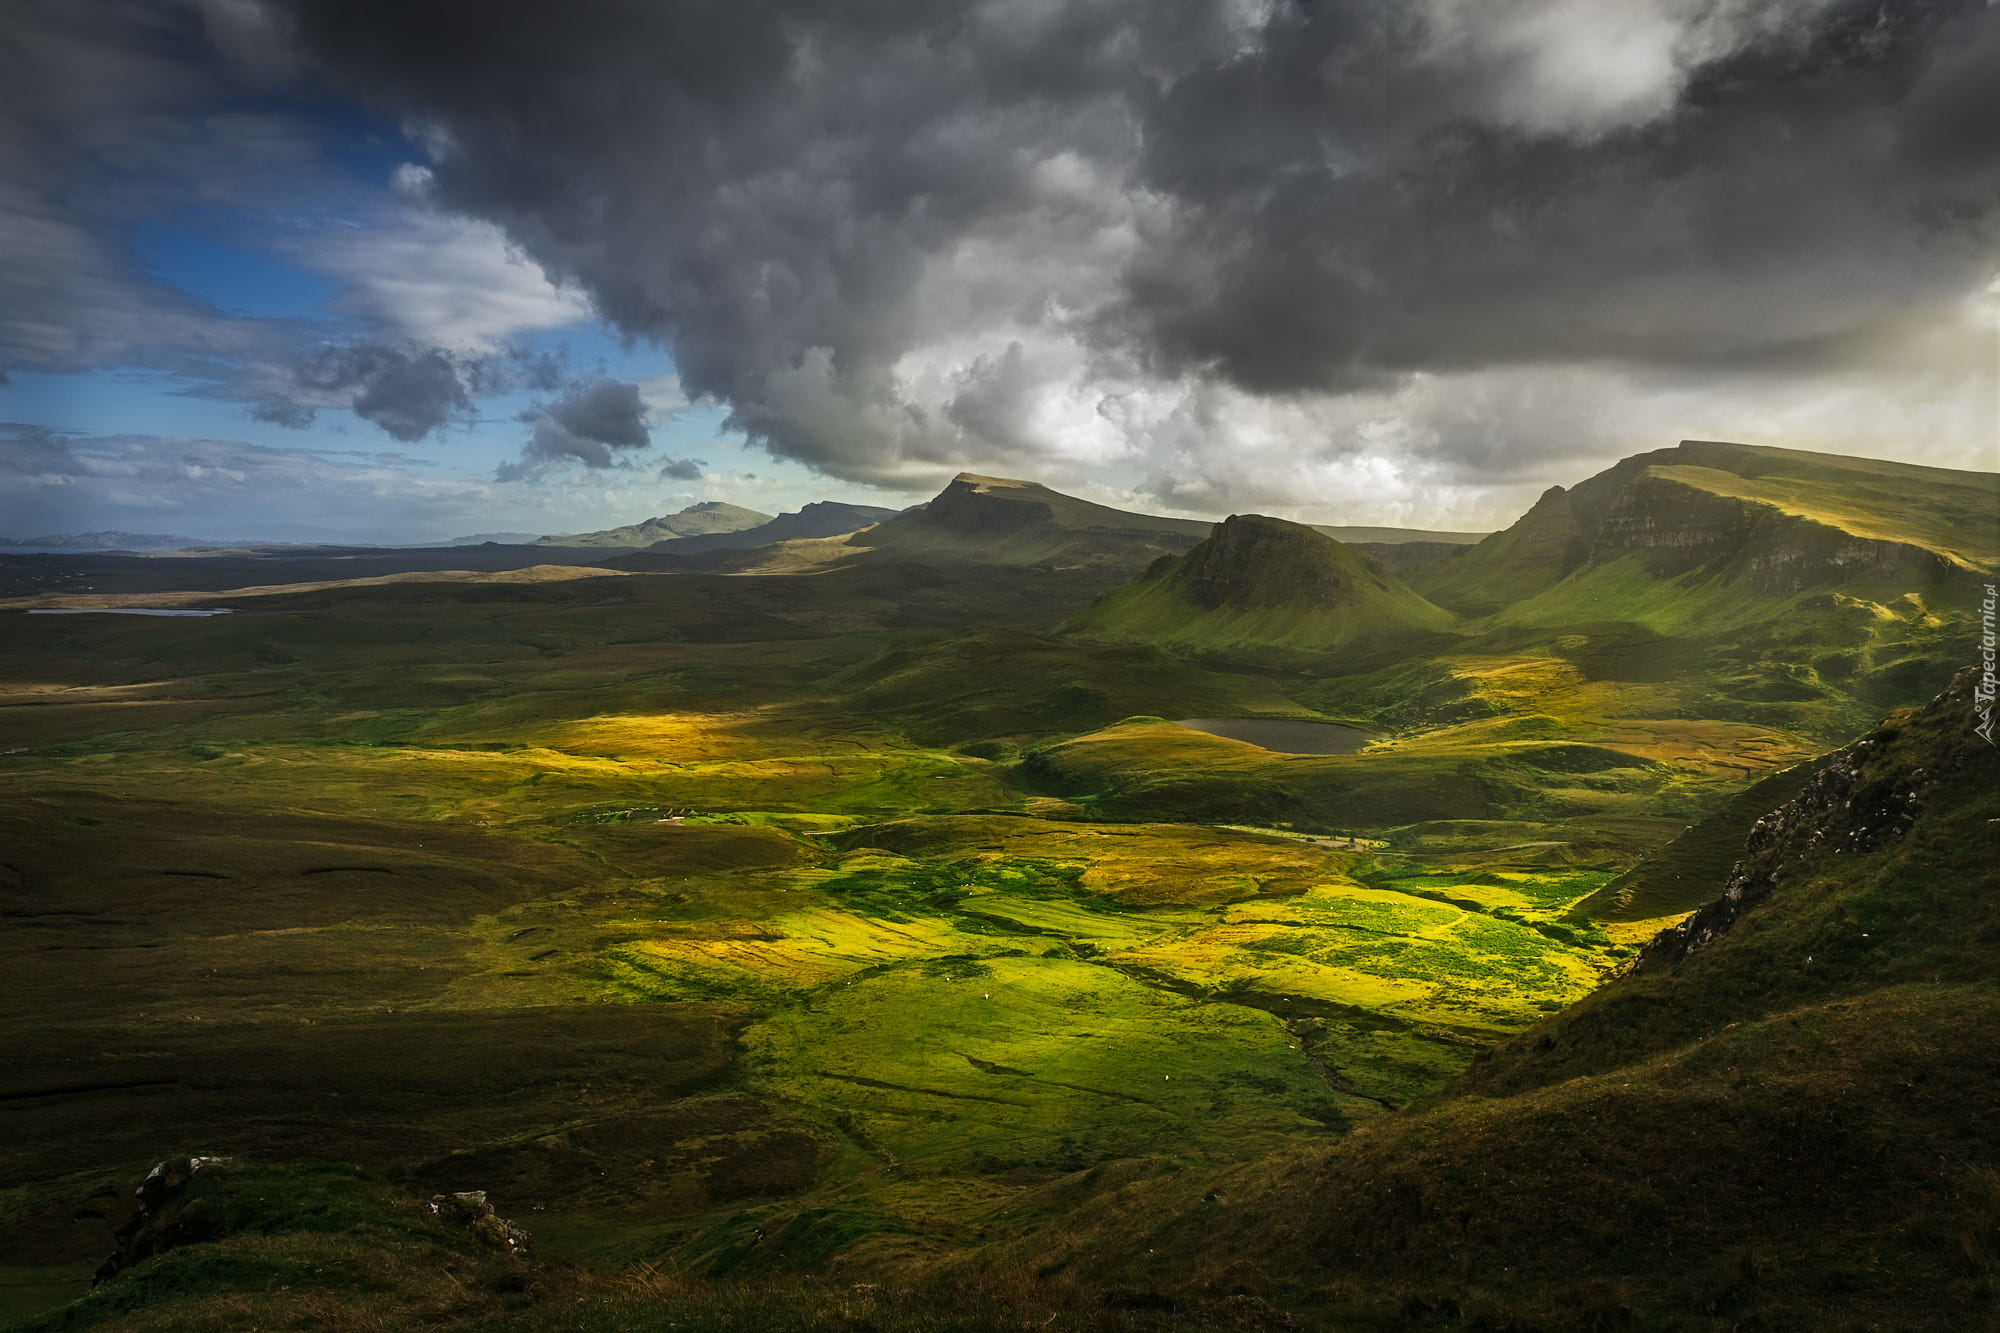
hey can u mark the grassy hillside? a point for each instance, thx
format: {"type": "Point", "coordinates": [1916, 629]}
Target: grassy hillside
{"type": "Point", "coordinates": [997, 521]}
{"type": "Point", "coordinates": [1788, 1127]}
{"type": "Point", "coordinates": [1730, 524]}
{"type": "Point", "coordinates": [991, 687]}
{"type": "Point", "coordinates": [843, 947]}
{"type": "Point", "coordinates": [376, 874]}
{"type": "Point", "coordinates": [1261, 582]}
{"type": "Point", "coordinates": [1956, 514]}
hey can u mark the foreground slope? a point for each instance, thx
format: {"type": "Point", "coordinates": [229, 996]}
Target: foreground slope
{"type": "Point", "coordinates": [1263, 582]}
{"type": "Point", "coordinates": [1782, 1118]}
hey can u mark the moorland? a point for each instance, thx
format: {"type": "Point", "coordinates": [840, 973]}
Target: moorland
{"type": "Point", "coordinates": [840, 930]}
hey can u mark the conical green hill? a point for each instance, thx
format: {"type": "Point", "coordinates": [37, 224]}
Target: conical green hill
{"type": "Point", "coordinates": [1261, 582]}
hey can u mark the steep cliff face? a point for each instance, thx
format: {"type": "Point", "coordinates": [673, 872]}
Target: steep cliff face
{"type": "Point", "coordinates": [1263, 582]}
{"type": "Point", "coordinates": [1774, 522]}
{"type": "Point", "coordinates": [1535, 553]}
{"type": "Point", "coordinates": [1675, 526]}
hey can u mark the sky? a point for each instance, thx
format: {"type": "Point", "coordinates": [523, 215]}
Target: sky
{"type": "Point", "coordinates": [402, 270]}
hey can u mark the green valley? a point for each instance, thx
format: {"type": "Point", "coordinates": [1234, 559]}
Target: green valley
{"type": "Point", "coordinates": [849, 935]}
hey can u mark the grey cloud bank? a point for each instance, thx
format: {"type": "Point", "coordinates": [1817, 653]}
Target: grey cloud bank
{"type": "Point", "coordinates": [897, 237]}
{"type": "Point", "coordinates": [1385, 263]}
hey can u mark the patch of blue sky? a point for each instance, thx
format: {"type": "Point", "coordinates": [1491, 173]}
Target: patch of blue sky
{"type": "Point", "coordinates": [133, 402]}
{"type": "Point", "coordinates": [596, 349]}
{"type": "Point", "coordinates": [236, 279]}
{"type": "Point", "coordinates": [362, 144]}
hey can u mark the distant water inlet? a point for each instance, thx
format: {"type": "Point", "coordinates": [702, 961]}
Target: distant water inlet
{"type": "Point", "coordinates": [121, 611]}
{"type": "Point", "coordinates": [1283, 735]}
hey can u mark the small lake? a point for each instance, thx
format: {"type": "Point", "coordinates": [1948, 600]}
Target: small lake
{"type": "Point", "coordinates": [1283, 735]}
{"type": "Point", "coordinates": [121, 611]}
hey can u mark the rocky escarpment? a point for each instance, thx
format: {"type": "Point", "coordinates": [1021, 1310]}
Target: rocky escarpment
{"type": "Point", "coordinates": [1774, 522]}
{"type": "Point", "coordinates": [1862, 800]}
{"type": "Point", "coordinates": [1675, 527]}
{"type": "Point", "coordinates": [970, 508]}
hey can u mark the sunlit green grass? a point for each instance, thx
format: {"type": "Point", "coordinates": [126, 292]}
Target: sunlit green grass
{"type": "Point", "coordinates": [383, 877]}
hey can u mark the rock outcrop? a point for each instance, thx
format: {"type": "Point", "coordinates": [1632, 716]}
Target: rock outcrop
{"type": "Point", "coordinates": [1858, 803]}
{"type": "Point", "coordinates": [472, 1208]}
{"type": "Point", "coordinates": [156, 1227]}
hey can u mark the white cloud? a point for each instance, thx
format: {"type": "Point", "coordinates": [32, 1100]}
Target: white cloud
{"type": "Point", "coordinates": [439, 280]}
{"type": "Point", "coordinates": [1583, 68]}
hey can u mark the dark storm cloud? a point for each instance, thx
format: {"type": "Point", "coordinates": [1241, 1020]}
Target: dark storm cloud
{"type": "Point", "coordinates": [763, 186]}
{"type": "Point", "coordinates": [683, 469]}
{"type": "Point", "coordinates": [607, 411]}
{"type": "Point", "coordinates": [1800, 195]}
{"type": "Point", "coordinates": [817, 206]}
{"type": "Point", "coordinates": [408, 391]}
{"type": "Point", "coordinates": [584, 426]}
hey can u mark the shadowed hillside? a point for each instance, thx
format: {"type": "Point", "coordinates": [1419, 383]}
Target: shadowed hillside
{"type": "Point", "coordinates": [822, 940]}
{"type": "Point", "coordinates": [822, 518]}
{"type": "Point", "coordinates": [996, 521]}
{"type": "Point", "coordinates": [1263, 583]}
{"type": "Point", "coordinates": [1781, 1118]}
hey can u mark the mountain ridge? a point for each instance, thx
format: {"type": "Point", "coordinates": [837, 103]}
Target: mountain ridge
{"type": "Point", "coordinates": [999, 520]}
{"type": "Point", "coordinates": [820, 518]}
{"type": "Point", "coordinates": [710, 516]}
{"type": "Point", "coordinates": [1773, 522]}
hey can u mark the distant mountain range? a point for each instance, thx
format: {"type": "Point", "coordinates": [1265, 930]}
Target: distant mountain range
{"type": "Point", "coordinates": [995, 520]}
{"type": "Point", "coordinates": [978, 520]}
{"type": "Point", "coordinates": [497, 538]}
{"type": "Point", "coordinates": [822, 518]}
{"type": "Point", "coordinates": [1725, 522]}
{"type": "Point", "coordinates": [710, 516]}
{"type": "Point", "coordinates": [1691, 539]}
{"type": "Point", "coordinates": [113, 540]}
